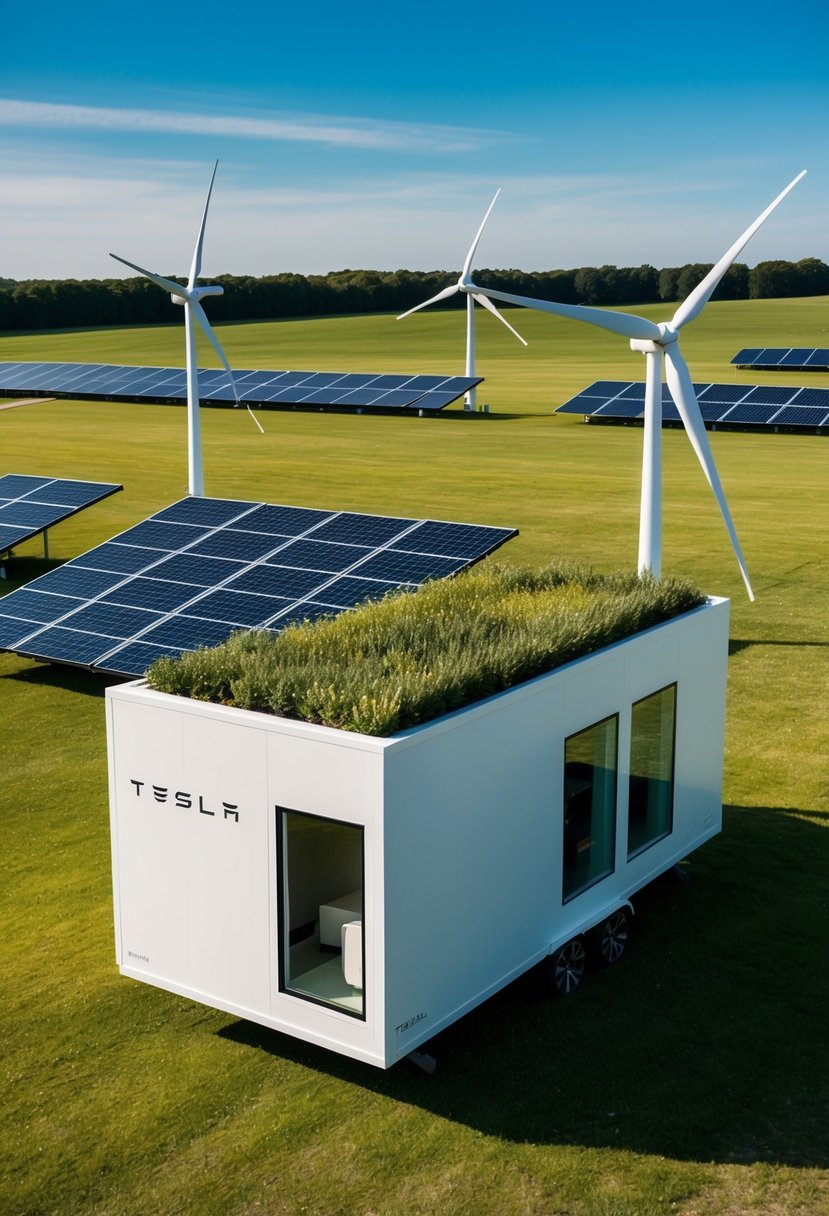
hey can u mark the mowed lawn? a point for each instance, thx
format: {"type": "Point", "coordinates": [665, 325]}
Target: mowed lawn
{"type": "Point", "coordinates": [692, 1079]}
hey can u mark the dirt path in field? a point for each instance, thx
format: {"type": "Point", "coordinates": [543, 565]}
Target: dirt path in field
{"type": "Point", "coordinates": [10, 405]}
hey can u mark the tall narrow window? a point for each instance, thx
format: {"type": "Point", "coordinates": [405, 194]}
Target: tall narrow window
{"type": "Point", "coordinates": [651, 795]}
{"type": "Point", "coordinates": [321, 883]}
{"type": "Point", "coordinates": [589, 806]}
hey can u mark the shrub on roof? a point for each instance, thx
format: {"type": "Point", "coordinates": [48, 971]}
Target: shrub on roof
{"type": "Point", "coordinates": [413, 656]}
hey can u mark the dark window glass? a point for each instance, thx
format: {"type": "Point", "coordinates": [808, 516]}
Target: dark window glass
{"type": "Point", "coordinates": [651, 792]}
{"type": "Point", "coordinates": [589, 806]}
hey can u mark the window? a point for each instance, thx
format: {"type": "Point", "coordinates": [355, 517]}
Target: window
{"type": "Point", "coordinates": [651, 794]}
{"type": "Point", "coordinates": [321, 881]}
{"type": "Point", "coordinates": [589, 806]}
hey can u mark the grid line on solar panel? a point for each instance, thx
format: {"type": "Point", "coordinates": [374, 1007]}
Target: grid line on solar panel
{"type": "Point", "coordinates": [263, 387]}
{"type": "Point", "coordinates": [202, 599]}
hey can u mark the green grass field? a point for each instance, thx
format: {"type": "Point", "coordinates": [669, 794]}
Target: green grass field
{"type": "Point", "coordinates": [693, 1078]}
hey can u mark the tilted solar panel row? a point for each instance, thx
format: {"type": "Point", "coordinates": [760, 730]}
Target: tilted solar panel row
{"type": "Point", "coordinates": [737, 404]}
{"type": "Point", "coordinates": [29, 505]}
{"type": "Point", "coordinates": [345, 390]}
{"type": "Point", "coordinates": [203, 568]}
{"type": "Point", "coordinates": [807, 358]}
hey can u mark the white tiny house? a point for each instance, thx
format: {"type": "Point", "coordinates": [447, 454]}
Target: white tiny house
{"type": "Point", "coordinates": [363, 893]}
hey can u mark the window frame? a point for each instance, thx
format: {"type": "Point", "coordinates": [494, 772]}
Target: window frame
{"type": "Point", "coordinates": [568, 896]}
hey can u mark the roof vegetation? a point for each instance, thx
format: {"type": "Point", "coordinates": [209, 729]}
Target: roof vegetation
{"type": "Point", "coordinates": [413, 656]}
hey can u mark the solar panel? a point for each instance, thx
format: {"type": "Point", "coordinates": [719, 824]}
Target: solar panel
{"type": "Point", "coordinates": [29, 505]}
{"type": "Point", "coordinates": [338, 390]}
{"type": "Point", "coordinates": [730, 404]}
{"type": "Point", "coordinates": [192, 574]}
{"type": "Point", "coordinates": [814, 358]}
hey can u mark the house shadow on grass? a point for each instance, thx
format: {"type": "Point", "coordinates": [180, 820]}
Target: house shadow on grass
{"type": "Point", "coordinates": [709, 1042]}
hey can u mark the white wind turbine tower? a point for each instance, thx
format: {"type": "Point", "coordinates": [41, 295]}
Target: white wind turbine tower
{"type": "Point", "coordinates": [660, 345]}
{"type": "Point", "coordinates": [471, 297]}
{"type": "Point", "coordinates": [191, 297]}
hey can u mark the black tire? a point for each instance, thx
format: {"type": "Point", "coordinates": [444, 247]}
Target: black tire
{"type": "Point", "coordinates": [566, 967]}
{"type": "Point", "coordinates": [610, 938]}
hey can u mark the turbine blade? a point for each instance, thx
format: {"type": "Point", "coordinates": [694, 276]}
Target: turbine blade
{"type": "Point", "coordinates": [168, 284]}
{"type": "Point", "coordinates": [682, 391]}
{"type": "Point", "coordinates": [195, 265]}
{"type": "Point", "coordinates": [699, 297]}
{"type": "Point", "coordinates": [442, 295]}
{"type": "Point", "coordinates": [470, 255]}
{"type": "Point", "coordinates": [204, 324]}
{"type": "Point", "coordinates": [488, 304]}
{"type": "Point", "coordinates": [624, 323]}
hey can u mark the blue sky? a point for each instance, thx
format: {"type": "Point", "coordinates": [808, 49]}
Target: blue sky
{"type": "Point", "coordinates": [375, 135]}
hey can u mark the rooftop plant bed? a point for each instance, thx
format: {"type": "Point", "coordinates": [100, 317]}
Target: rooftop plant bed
{"type": "Point", "coordinates": [411, 657]}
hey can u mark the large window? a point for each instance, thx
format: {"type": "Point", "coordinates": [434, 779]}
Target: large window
{"type": "Point", "coordinates": [321, 882]}
{"type": "Point", "coordinates": [651, 795]}
{"type": "Point", "coordinates": [589, 806]}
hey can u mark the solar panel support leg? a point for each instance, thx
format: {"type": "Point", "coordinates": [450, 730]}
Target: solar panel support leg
{"type": "Point", "coordinates": [46, 544]}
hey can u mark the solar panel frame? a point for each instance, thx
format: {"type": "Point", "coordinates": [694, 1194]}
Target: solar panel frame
{"type": "Point", "coordinates": [30, 505]}
{"type": "Point", "coordinates": [348, 390]}
{"type": "Point", "coordinates": [308, 561]}
{"type": "Point", "coordinates": [730, 404]}
{"type": "Point", "coordinates": [791, 357]}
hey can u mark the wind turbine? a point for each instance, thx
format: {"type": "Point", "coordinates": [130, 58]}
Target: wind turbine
{"type": "Point", "coordinates": [191, 297]}
{"type": "Point", "coordinates": [660, 345]}
{"type": "Point", "coordinates": [471, 297]}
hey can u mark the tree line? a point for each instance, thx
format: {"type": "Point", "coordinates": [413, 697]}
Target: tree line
{"type": "Point", "coordinates": [79, 303]}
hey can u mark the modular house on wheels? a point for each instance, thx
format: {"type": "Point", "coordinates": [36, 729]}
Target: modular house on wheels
{"type": "Point", "coordinates": [363, 893]}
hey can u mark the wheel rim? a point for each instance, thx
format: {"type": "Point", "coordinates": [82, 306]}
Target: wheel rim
{"type": "Point", "coordinates": [569, 967]}
{"type": "Point", "coordinates": [614, 937]}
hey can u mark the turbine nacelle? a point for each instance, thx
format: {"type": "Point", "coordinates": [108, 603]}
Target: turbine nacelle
{"type": "Point", "coordinates": [189, 294]}
{"type": "Point", "coordinates": [649, 346]}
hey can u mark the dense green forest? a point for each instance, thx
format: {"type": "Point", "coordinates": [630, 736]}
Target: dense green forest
{"type": "Point", "coordinates": [74, 303]}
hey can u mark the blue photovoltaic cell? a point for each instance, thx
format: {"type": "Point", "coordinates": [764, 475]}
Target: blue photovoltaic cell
{"type": "Point", "coordinates": [737, 404]}
{"type": "Point", "coordinates": [619, 409]}
{"type": "Point", "coordinates": [396, 567]}
{"type": "Point", "coordinates": [236, 565]}
{"type": "Point", "coordinates": [29, 505]}
{"type": "Point", "coordinates": [67, 646]}
{"type": "Point", "coordinates": [724, 392]}
{"type": "Point", "coordinates": [351, 390]}
{"type": "Point", "coordinates": [348, 591]}
{"type": "Point", "coordinates": [240, 608]}
{"type": "Point", "coordinates": [38, 607]}
{"type": "Point", "coordinates": [770, 396]}
{"type": "Point", "coordinates": [802, 415]}
{"type": "Point", "coordinates": [752, 413]}
{"type": "Point", "coordinates": [151, 593]}
{"type": "Point", "coordinates": [122, 559]}
{"type": "Point", "coordinates": [818, 397]}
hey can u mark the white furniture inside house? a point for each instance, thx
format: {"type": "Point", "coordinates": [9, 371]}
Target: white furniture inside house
{"type": "Point", "coordinates": [337, 913]}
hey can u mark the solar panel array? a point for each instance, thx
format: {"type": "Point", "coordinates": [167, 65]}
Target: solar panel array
{"type": "Point", "coordinates": [729, 404]}
{"type": "Point", "coordinates": [338, 390]}
{"type": "Point", "coordinates": [202, 568]}
{"type": "Point", "coordinates": [808, 358]}
{"type": "Point", "coordinates": [29, 505]}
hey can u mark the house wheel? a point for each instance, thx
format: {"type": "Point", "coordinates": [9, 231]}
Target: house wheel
{"type": "Point", "coordinates": [566, 967]}
{"type": "Point", "coordinates": [611, 937]}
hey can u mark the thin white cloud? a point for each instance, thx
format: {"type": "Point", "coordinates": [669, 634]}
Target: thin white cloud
{"type": "Point", "coordinates": [342, 132]}
{"type": "Point", "coordinates": [61, 213]}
